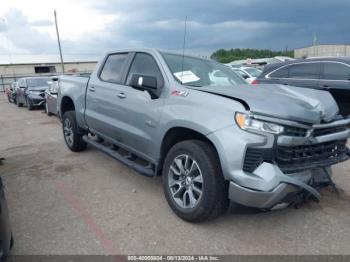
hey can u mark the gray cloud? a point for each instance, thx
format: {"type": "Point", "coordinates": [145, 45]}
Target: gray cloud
{"type": "Point", "coordinates": [42, 23]}
{"type": "Point", "coordinates": [211, 25]}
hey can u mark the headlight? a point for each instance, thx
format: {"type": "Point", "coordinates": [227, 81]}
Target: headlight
{"type": "Point", "coordinates": [246, 122]}
{"type": "Point", "coordinates": [35, 92]}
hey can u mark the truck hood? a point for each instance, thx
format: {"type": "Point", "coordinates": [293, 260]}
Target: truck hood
{"type": "Point", "coordinates": [280, 101]}
{"type": "Point", "coordinates": [38, 88]}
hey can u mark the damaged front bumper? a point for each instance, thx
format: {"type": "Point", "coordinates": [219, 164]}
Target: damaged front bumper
{"type": "Point", "coordinates": [37, 99]}
{"type": "Point", "coordinates": [275, 170]}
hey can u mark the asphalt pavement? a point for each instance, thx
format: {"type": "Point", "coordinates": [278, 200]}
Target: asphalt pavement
{"type": "Point", "coordinates": [62, 202]}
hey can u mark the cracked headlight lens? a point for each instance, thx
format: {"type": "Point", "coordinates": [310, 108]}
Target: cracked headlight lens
{"type": "Point", "coordinates": [246, 122]}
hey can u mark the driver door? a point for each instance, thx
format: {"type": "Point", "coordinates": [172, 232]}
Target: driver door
{"type": "Point", "coordinates": [143, 111]}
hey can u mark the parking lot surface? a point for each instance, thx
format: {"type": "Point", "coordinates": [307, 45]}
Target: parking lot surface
{"type": "Point", "coordinates": [87, 203]}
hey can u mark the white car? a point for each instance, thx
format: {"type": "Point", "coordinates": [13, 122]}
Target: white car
{"type": "Point", "coordinates": [248, 73]}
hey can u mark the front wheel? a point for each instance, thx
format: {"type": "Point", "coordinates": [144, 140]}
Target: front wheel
{"type": "Point", "coordinates": [73, 135]}
{"type": "Point", "coordinates": [29, 104]}
{"type": "Point", "coordinates": [47, 110]}
{"type": "Point", "coordinates": [193, 182]}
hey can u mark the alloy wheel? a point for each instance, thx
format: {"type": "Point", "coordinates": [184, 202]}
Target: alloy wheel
{"type": "Point", "coordinates": [185, 181]}
{"type": "Point", "coordinates": [68, 131]}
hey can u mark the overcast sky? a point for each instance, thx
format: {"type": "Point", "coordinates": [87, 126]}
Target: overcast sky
{"type": "Point", "coordinates": [88, 28]}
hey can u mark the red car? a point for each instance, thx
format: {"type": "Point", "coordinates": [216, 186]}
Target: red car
{"type": "Point", "coordinates": [11, 92]}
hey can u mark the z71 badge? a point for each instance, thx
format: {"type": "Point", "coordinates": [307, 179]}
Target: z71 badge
{"type": "Point", "coordinates": [179, 93]}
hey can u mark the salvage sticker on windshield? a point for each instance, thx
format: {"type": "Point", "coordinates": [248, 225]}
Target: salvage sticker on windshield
{"type": "Point", "coordinates": [186, 77]}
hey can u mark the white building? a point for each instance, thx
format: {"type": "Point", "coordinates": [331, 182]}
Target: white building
{"type": "Point", "coordinates": [12, 72]}
{"type": "Point", "coordinates": [322, 51]}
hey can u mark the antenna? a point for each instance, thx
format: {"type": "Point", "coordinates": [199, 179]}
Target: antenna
{"type": "Point", "coordinates": [183, 49]}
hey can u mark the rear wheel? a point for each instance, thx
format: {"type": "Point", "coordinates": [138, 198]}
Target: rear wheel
{"type": "Point", "coordinates": [193, 182]}
{"type": "Point", "coordinates": [73, 135]}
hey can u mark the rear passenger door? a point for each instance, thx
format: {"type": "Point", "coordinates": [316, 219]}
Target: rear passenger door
{"type": "Point", "coordinates": [305, 74]}
{"type": "Point", "coordinates": [105, 111]}
{"type": "Point", "coordinates": [336, 78]}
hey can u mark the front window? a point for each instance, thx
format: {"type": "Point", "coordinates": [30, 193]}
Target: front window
{"type": "Point", "coordinates": [191, 71]}
{"type": "Point", "coordinates": [33, 82]}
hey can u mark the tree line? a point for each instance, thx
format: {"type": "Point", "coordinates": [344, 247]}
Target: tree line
{"type": "Point", "coordinates": [226, 56]}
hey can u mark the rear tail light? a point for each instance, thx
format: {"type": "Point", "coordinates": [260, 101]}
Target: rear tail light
{"type": "Point", "coordinates": [255, 82]}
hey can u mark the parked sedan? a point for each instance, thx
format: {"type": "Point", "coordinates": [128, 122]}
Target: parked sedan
{"type": "Point", "coordinates": [51, 98]}
{"type": "Point", "coordinates": [11, 92]}
{"type": "Point", "coordinates": [31, 91]}
{"type": "Point", "coordinates": [329, 74]}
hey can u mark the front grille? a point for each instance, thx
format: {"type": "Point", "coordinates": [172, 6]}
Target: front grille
{"type": "Point", "coordinates": [293, 159]}
{"type": "Point", "coordinates": [330, 130]}
{"type": "Point", "coordinates": [294, 131]}
{"type": "Point", "coordinates": [297, 158]}
{"type": "Point", "coordinates": [301, 132]}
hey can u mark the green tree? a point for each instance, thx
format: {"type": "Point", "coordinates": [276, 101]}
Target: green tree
{"type": "Point", "coordinates": [226, 56]}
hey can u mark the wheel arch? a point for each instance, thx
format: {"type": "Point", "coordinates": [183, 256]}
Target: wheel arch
{"type": "Point", "coordinates": [67, 104]}
{"type": "Point", "coordinates": [177, 134]}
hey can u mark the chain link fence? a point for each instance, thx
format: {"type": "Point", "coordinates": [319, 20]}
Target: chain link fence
{"type": "Point", "coordinates": [6, 80]}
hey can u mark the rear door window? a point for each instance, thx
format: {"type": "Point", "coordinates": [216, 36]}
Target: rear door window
{"type": "Point", "coordinates": [336, 71]}
{"type": "Point", "coordinates": [113, 68]}
{"type": "Point", "coordinates": [305, 71]}
{"type": "Point", "coordinates": [280, 73]}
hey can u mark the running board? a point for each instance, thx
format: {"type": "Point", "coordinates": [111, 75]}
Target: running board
{"type": "Point", "coordinates": [146, 171]}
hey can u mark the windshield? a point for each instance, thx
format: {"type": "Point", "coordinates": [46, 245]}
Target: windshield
{"type": "Point", "coordinates": [33, 82]}
{"type": "Point", "coordinates": [199, 72]}
{"type": "Point", "coordinates": [253, 71]}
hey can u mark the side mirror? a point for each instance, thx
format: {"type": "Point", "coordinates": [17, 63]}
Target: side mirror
{"type": "Point", "coordinates": [145, 82]}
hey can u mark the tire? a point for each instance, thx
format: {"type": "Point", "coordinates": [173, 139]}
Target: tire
{"type": "Point", "coordinates": [29, 105]}
{"type": "Point", "coordinates": [12, 241]}
{"type": "Point", "coordinates": [213, 200]}
{"type": "Point", "coordinates": [47, 110]}
{"type": "Point", "coordinates": [19, 104]}
{"type": "Point", "coordinates": [73, 135]}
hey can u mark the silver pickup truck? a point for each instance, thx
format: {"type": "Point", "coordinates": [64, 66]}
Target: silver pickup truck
{"type": "Point", "coordinates": [212, 137]}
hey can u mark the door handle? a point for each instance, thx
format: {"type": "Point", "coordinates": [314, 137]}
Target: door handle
{"type": "Point", "coordinates": [121, 95]}
{"type": "Point", "coordinates": [91, 88]}
{"type": "Point", "coordinates": [324, 87]}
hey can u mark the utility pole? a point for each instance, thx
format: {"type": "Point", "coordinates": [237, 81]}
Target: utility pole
{"type": "Point", "coordinates": [59, 42]}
